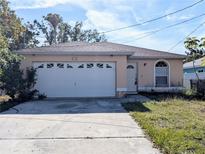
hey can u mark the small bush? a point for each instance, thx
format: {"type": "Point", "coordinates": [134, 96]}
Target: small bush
{"type": "Point", "coordinates": [27, 92]}
{"type": "Point", "coordinates": [12, 79]}
{"type": "Point", "coordinates": [42, 96]}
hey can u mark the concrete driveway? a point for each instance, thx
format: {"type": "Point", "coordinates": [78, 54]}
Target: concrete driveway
{"type": "Point", "coordinates": [83, 126]}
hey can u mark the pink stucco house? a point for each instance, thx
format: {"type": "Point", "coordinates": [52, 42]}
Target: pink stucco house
{"type": "Point", "coordinates": [105, 69]}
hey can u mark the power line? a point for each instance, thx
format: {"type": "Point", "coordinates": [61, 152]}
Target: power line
{"type": "Point", "coordinates": [174, 46]}
{"type": "Point", "coordinates": [161, 29]}
{"type": "Point", "coordinates": [154, 19]}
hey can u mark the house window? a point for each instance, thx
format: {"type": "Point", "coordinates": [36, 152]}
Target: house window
{"type": "Point", "coordinates": [50, 65]}
{"type": "Point", "coordinates": [41, 66]}
{"type": "Point", "coordinates": [90, 65]}
{"type": "Point", "coordinates": [99, 65]}
{"type": "Point", "coordinates": [60, 65]}
{"type": "Point", "coordinates": [108, 66]}
{"type": "Point", "coordinates": [69, 66]}
{"type": "Point", "coordinates": [130, 67]}
{"type": "Point", "coordinates": [161, 74]}
{"type": "Point", "coordinates": [81, 66]}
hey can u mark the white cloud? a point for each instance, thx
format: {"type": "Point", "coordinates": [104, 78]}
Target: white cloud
{"type": "Point", "coordinates": [33, 4]}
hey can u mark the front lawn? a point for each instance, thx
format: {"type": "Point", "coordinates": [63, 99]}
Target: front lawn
{"type": "Point", "coordinates": [175, 125]}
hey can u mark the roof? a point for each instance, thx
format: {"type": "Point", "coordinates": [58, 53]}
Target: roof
{"type": "Point", "coordinates": [198, 63]}
{"type": "Point", "coordinates": [98, 48]}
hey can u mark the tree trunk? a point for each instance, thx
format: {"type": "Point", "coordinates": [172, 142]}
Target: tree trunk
{"type": "Point", "coordinates": [195, 70]}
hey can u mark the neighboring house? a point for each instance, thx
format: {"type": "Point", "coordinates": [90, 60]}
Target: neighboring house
{"type": "Point", "coordinates": [189, 72]}
{"type": "Point", "coordinates": [80, 69]}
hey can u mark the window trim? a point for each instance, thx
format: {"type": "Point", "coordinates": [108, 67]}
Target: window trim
{"type": "Point", "coordinates": [130, 66]}
{"type": "Point", "coordinates": [47, 65]}
{"type": "Point", "coordinates": [100, 65]}
{"type": "Point", "coordinates": [40, 66]}
{"type": "Point", "coordinates": [168, 76]}
{"type": "Point", "coordinates": [60, 65]}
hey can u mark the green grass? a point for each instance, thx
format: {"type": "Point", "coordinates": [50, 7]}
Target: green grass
{"type": "Point", "coordinates": [176, 126]}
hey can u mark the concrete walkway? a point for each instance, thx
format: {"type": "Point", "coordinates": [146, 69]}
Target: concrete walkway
{"type": "Point", "coordinates": [87, 126]}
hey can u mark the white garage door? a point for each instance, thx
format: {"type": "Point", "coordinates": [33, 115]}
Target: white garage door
{"type": "Point", "coordinates": [69, 79]}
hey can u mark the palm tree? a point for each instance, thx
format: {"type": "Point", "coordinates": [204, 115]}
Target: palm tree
{"type": "Point", "coordinates": [54, 20]}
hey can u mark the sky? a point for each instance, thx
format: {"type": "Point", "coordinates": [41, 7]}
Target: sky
{"type": "Point", "coordinates": [105, 15]}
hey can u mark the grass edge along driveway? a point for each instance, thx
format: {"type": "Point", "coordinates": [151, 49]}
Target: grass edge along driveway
{"type": "Point", "coordinates": [175, 126]}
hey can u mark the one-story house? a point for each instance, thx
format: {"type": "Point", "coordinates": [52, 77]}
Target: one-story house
{"type": "Point", "coordinates": [189, 71]}
{"type": "Point", "coordinates": [103, 69]}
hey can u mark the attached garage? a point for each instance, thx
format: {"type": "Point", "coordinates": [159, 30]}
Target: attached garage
{"type": "Point", "coordinates": [76, 79]}
{"type": "Point", "coordinates": [102, 69]}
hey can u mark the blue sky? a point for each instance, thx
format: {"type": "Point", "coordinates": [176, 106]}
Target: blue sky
{"type": "Point", "coordinates": [104, 15]}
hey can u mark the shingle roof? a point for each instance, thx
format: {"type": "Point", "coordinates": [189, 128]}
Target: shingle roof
{"type": "Point", "coordinates": [198, 63]}
{"type": "Point", "coordinates": [99, 48]}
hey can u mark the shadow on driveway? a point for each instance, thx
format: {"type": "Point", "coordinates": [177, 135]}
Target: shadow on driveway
{"type": "Point", "coordinates": [68, 106]}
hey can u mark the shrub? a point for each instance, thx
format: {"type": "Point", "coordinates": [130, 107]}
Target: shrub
{"type": "Point", "coordinates": [27, 90]}
{"type": "Point", "coordinates": [10, 73]}
{"type": "Point", "coordinates": [12, 79]}
{"type": "Point", "coordinates": [42, 96]}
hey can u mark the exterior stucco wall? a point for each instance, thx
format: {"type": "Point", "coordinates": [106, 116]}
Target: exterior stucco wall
{"type": "Point", "coordinates": [121, 64]}
{"type": "Point", "coordinates": [146, 72]}
{"type": "Point", "coordinates": [145, 69]}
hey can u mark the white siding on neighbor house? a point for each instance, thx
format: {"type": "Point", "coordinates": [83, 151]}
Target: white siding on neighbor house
{"type": "Point", "coordinates": [191, 76]}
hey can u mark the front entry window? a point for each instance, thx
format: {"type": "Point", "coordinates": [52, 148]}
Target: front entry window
{"type": "Point", "coordinates": [161, 74]}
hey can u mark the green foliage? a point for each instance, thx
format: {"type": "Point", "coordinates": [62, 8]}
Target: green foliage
{"type": "Point", "coordinates": [190, 92]}
{"type": "Point", "coordinates": [195, 47]}
{"type": "Point", "coordinates": [174, 125]}
{"type": "Point", "coordinates": [78, 34]}
{"type": "Point", "coordinates": [195, 50]}
{"type": "Point", "coordinates": [42, 96]}
{"type": "Point", "coordinates": [12, 79]}
{"type": "Point", "coordinates": [3, 42]}
{"type": "Point", "coordinates": [48, 27]}
{"type": "Point", "coordinates": [12, 29]}
{"type": "Point", "coordinates": [27, 91]}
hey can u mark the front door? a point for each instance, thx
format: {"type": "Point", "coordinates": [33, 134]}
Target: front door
{"type": "Point", "coordinates": [131, 77]}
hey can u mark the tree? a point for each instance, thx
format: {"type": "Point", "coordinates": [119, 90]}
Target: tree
{"type": "Point", "coordinates": [12, 29]}
{"type": "Point", "coordinates": [48, 27]}
{"type": "Point", "coordinates": [78, 34]}
{"type": "Point", "coordinates": [10, 73]}
{"type": "Point", "coordinates": [29, 37]}
{"type": "Point", "coordinates": [195, 50]}
{"type": "Point", "coordinates": [56, 30]}
{"type": "Point", "coordinates": [64, 31]}
{"type": "Point", "coordinates": [13, 81]}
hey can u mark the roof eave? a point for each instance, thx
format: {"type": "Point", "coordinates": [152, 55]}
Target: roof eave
{"type": "Point", "coordinates": [156, 57]}
{"type": "Point", "coordinates": [77, 53]}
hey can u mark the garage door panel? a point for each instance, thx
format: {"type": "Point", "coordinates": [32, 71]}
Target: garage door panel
{"type": "Point", "coordinates": [67, 79]}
